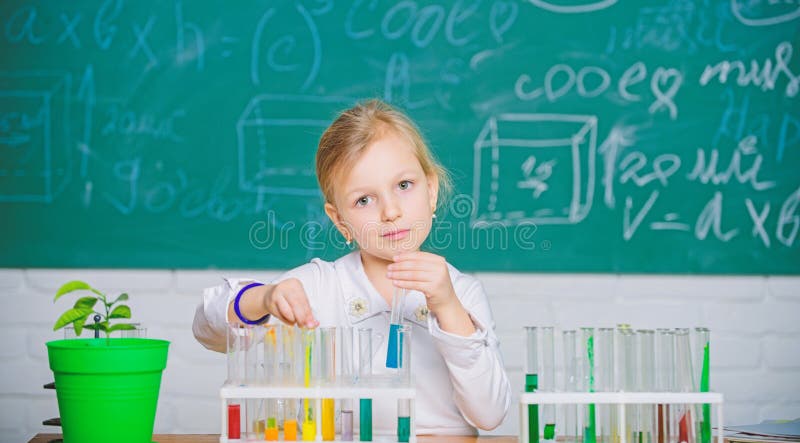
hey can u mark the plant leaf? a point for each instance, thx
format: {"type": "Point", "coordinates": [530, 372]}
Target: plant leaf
{"type": "Point", "coordinates": [68, 287]}
{"type": "Point", "coordinates": [121, 327]}
{"type": "Point", "coordinates": [70, 316]}
{"type": "Point", "coordinates": [102, 296]}
{"type": "Point", "coordinates": [78, 325]}
{"type": "Point", "coordinates": [121, 311]}
{"type": "Point", "coordinates": [103, 326]}
{"type": "Point", "coordinates": [85, 302]}
{"type": "Point", "coordinates": [122, 297]}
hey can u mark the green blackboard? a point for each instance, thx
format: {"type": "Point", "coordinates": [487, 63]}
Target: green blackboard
{"type": "Point", "coordinates": [583, 135]}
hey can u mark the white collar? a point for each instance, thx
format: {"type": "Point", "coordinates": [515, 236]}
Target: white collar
{"type": "Point", "coordinates": [362, 300]}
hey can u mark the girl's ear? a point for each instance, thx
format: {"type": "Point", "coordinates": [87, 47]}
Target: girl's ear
{"type": "Point", "coordinates": [333, 214]}
{"type": "Point", "coordinates": [433, 191]}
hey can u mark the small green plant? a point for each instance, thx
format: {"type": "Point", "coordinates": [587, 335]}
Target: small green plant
{"type": "Point", "coordinates": [85, 306]}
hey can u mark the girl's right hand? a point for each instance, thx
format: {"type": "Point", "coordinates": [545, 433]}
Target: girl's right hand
{"type": "Point", "coordinates": [288, 302]}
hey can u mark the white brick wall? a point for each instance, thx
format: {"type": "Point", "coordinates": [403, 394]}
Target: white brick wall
{"type": "Point", "coordinates": [755, 324]}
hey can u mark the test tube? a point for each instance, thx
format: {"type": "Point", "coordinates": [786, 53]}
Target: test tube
{"type": "Point", "coordinates": [547, 381]}
{"type": "Point", "coordinates": [395, 322]}
{"type": "Point", "coordinates": [532, 379]}
{"type": "Point", "coordinates": [348, 376]}
{"type": "Point", "coordinates": [645, 383]}
{"type": "Point", "coordinates": [587, 379]}
{"type": "Point", "coordinates": [684, 383]}
{"type": "Point", "coordinates": [309, 374]}
{"type": "Point", "coordinates": [254, 408]}
{"type": "Point", "coordinates": [236, 345]}
{"type": "Point", "coordinates": [571, 431]}
{"type": "Point", "coordinates": [327, 347]}
{"type": "Point", "coordinates": [364, 378]}
{"type": "Point", "coordinates": [289, 362]}
{"type": "Point", "coordinates": [271, 378]}
{"type": "Point", "coordinates": [626, 376]}
{"type": "Point", "coordinates": [237, 342]}
{"type": "Point", "coordinates": [604, 382]}
{"type": "Point", "coordinates": [702, 354]}
{"type": "Point", "coordinates": [404, 377]}
{"type": "Point", "coordinates": [664, 381]}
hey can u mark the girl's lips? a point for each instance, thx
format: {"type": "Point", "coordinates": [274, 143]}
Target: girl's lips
{"type": "Point", "coordinates": [396, 235]}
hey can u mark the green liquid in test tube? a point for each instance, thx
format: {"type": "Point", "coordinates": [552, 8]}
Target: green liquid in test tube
{"type": "Point", "coordinates": [589, 424]}
{"type": "Point", "coordinates": [364, 377]}
{"type": "Point", "coordinates": [531, 380]}
{"type": "Point", "coordinates": [404, 377]}
{"type": "Point", "coordinates": [702, 346]}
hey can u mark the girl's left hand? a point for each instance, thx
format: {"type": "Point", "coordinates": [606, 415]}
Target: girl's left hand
{"type": "Point", "coordinates": [427, 273]}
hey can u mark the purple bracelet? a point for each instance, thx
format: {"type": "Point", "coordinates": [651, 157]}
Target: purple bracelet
{"type": "Point", "coordinates": [261, 320]}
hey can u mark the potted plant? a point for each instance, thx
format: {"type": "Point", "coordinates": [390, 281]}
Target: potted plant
{"type": "Point", "coordinates": [107, 388]}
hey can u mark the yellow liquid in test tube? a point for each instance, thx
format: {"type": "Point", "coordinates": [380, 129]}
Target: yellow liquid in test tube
{"type": "Point", "coordinates": [328, 428]}
{"type": "Point", "coordinates": [309, 425]}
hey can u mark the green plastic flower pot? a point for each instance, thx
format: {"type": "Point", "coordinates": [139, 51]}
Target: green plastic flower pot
{"type": "Point", "coordinates": [107, 388]}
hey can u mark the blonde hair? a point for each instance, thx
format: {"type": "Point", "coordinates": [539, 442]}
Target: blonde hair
{"type": "Point", "coordinates": [352, 132]}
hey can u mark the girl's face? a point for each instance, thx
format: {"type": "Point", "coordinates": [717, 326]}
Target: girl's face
{"type": "Point", "coordinates": [385, 202]}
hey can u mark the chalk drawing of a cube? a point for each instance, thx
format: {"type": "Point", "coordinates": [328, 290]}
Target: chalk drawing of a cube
{"type": "Point", "coordinates": [34, 135]}
{"type": "Point", "coordinates": [277, 138]}
{"type": "Point", "coordinates": [536, 168]}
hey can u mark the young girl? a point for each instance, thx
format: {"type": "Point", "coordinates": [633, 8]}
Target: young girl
{"type": "Point", "coordinates": [381, 186]}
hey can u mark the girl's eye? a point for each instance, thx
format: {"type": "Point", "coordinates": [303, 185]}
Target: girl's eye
{"type": "Point", "coordinates": [363, 201]}
{"type": "Point", "coordinates": [405, 184]}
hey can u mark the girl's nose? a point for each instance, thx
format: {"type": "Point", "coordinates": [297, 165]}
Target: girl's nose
{"type": "Point", "coordinates": [391, 210]}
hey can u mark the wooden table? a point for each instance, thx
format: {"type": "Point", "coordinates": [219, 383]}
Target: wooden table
{"type": "Point", "coordinates": [214, 438]}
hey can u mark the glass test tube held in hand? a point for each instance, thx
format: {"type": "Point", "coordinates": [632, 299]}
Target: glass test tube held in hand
{"type": "Point", "coordinates": [664, 382]}
{"type": "Point", "coordinates": [702, 374]}
{"type": "Point", "coordinates": [327, 365]}
{"type": "Point", "coordinates": [395, 322]}
{"type": "Point", "coordinates": [532, 379]}
{"type": "Point", "coordinates": [348, 376]}
{"type": "Point", "coordinates": [547, 380]}
{"type": "Point", "coordinates": [364, 377]}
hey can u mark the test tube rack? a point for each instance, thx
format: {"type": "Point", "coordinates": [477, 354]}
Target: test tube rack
{"type": "Point", "coordinates": [273, 362]}
{"type": "Point", "coordinates": [621, 399]}
{"type": "Point", "coordinates": [377, 390]}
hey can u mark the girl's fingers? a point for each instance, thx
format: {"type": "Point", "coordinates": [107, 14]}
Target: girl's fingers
{"type": "Point", "coordinates": [302, 312]}
{"type": "Point", "coordinates": [421, 276]}
{"type": "Point", "coordinates": [413, 285]}
{"type": "Point", "coordinates": [285, 311]}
